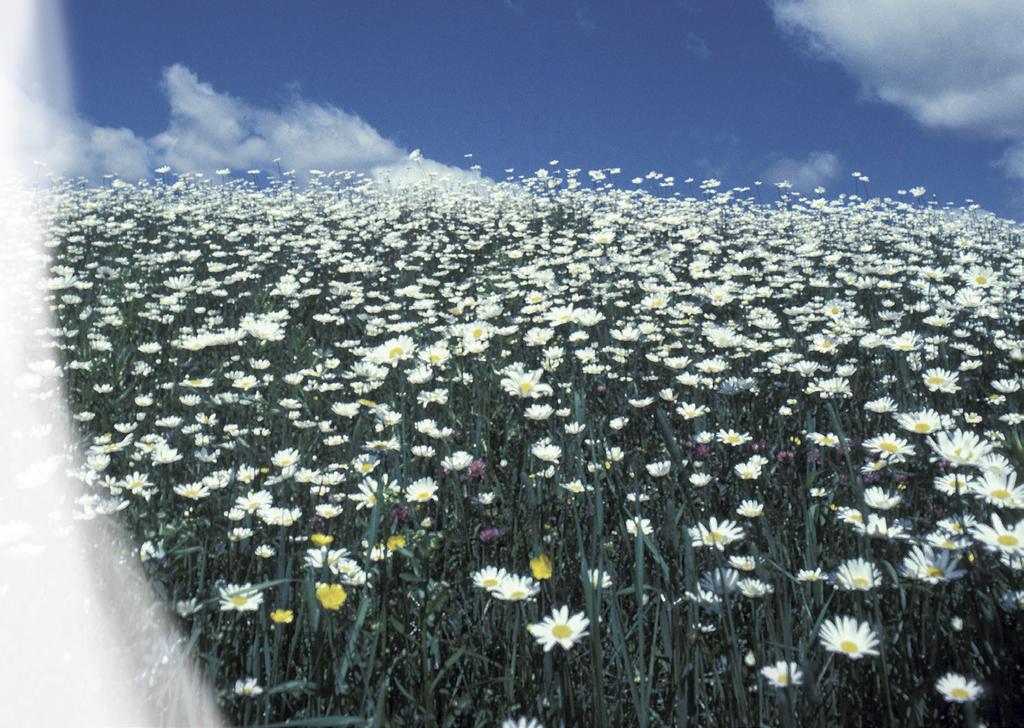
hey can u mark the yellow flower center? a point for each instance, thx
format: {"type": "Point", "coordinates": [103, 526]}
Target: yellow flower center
{"type": "Point", "coordinates": [396, 352]}
{"type": "Point", "coordinates": [561, 631]}
{"type": "Point", "coordinates": [935, 380]}
{"type": "Point", "coordinates": [782, 679]}
{"type": "Point", "coordinates": [889, 446]}
{"type": "Point", "coordinates": [959, 693]}
{"type": "Point", "coordinates": [1007, 539]}
{"type": "Point", "coordinates": [518, 594]}
{"type": "Point", "coordinates": [488, 583]}
{"type": "Point", "coordinates": [1000, 493]}
{"type": "Point", "coordinates": [922, 427]}
{"type": "Point", "coordinates": [933, 571]}
{"type": "Point", "coordinates": [861, 582]}
{"type": "Point", "coordinates": [848, 646]}
{"type": "Point", "coordinates": [526, 387]}
{"type": "Point", "coordinates": [238, 600]}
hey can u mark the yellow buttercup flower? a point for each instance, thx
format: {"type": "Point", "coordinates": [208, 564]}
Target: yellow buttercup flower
{"type": "Point", "coordinates": [331, 596]}
{"type": "Point", "coordinates": [282, 616]}
{"type": "Point", "coordinates": [541, 567]}
{"type": "Point", "coordinates": [396, 542]}
{"type": "Point", "coordinates": [321, 539]}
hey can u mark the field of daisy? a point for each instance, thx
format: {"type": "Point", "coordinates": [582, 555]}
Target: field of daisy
{"type": "Point", "coordinates": [557, 454]}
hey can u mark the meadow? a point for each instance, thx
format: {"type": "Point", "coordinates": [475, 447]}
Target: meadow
{"type": "Point", "coordinates": [558, 453]}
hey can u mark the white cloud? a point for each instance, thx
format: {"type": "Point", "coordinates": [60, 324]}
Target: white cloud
{"type": "Point", "coordinates": [516, 7]}
{"type": "Point", "coordinates": [1012, 161]}
{"type": "Point", "coordinates": [584, 20]}
{"type": "Point", "coordinates": [949, 63]}
{"type": "Point", "coordinates": [65, 144]}
{"type": "Point", "coordinates": [209, 130]}
{"type": "Point", "coordinates": [696, 46]}
{"type": "Point", "coordinates": [818, 169]}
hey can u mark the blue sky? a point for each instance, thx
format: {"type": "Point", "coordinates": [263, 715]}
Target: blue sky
{"type": "Point", "coordinates": [734, 89]}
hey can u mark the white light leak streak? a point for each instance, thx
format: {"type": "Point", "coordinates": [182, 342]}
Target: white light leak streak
{"type": "Point", "coordinates": [82, 642]}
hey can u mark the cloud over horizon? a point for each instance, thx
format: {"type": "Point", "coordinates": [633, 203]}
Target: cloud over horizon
{"type": "Point", "coordinates": [818, 169]}
{"type": "Point", "coordinates": [209, 130]}
{"type": "Point", "coordinates": [952, 65]}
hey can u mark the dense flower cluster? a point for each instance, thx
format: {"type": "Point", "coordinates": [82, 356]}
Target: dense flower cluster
{"type": "Point", "coordinates": [707, 427]}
